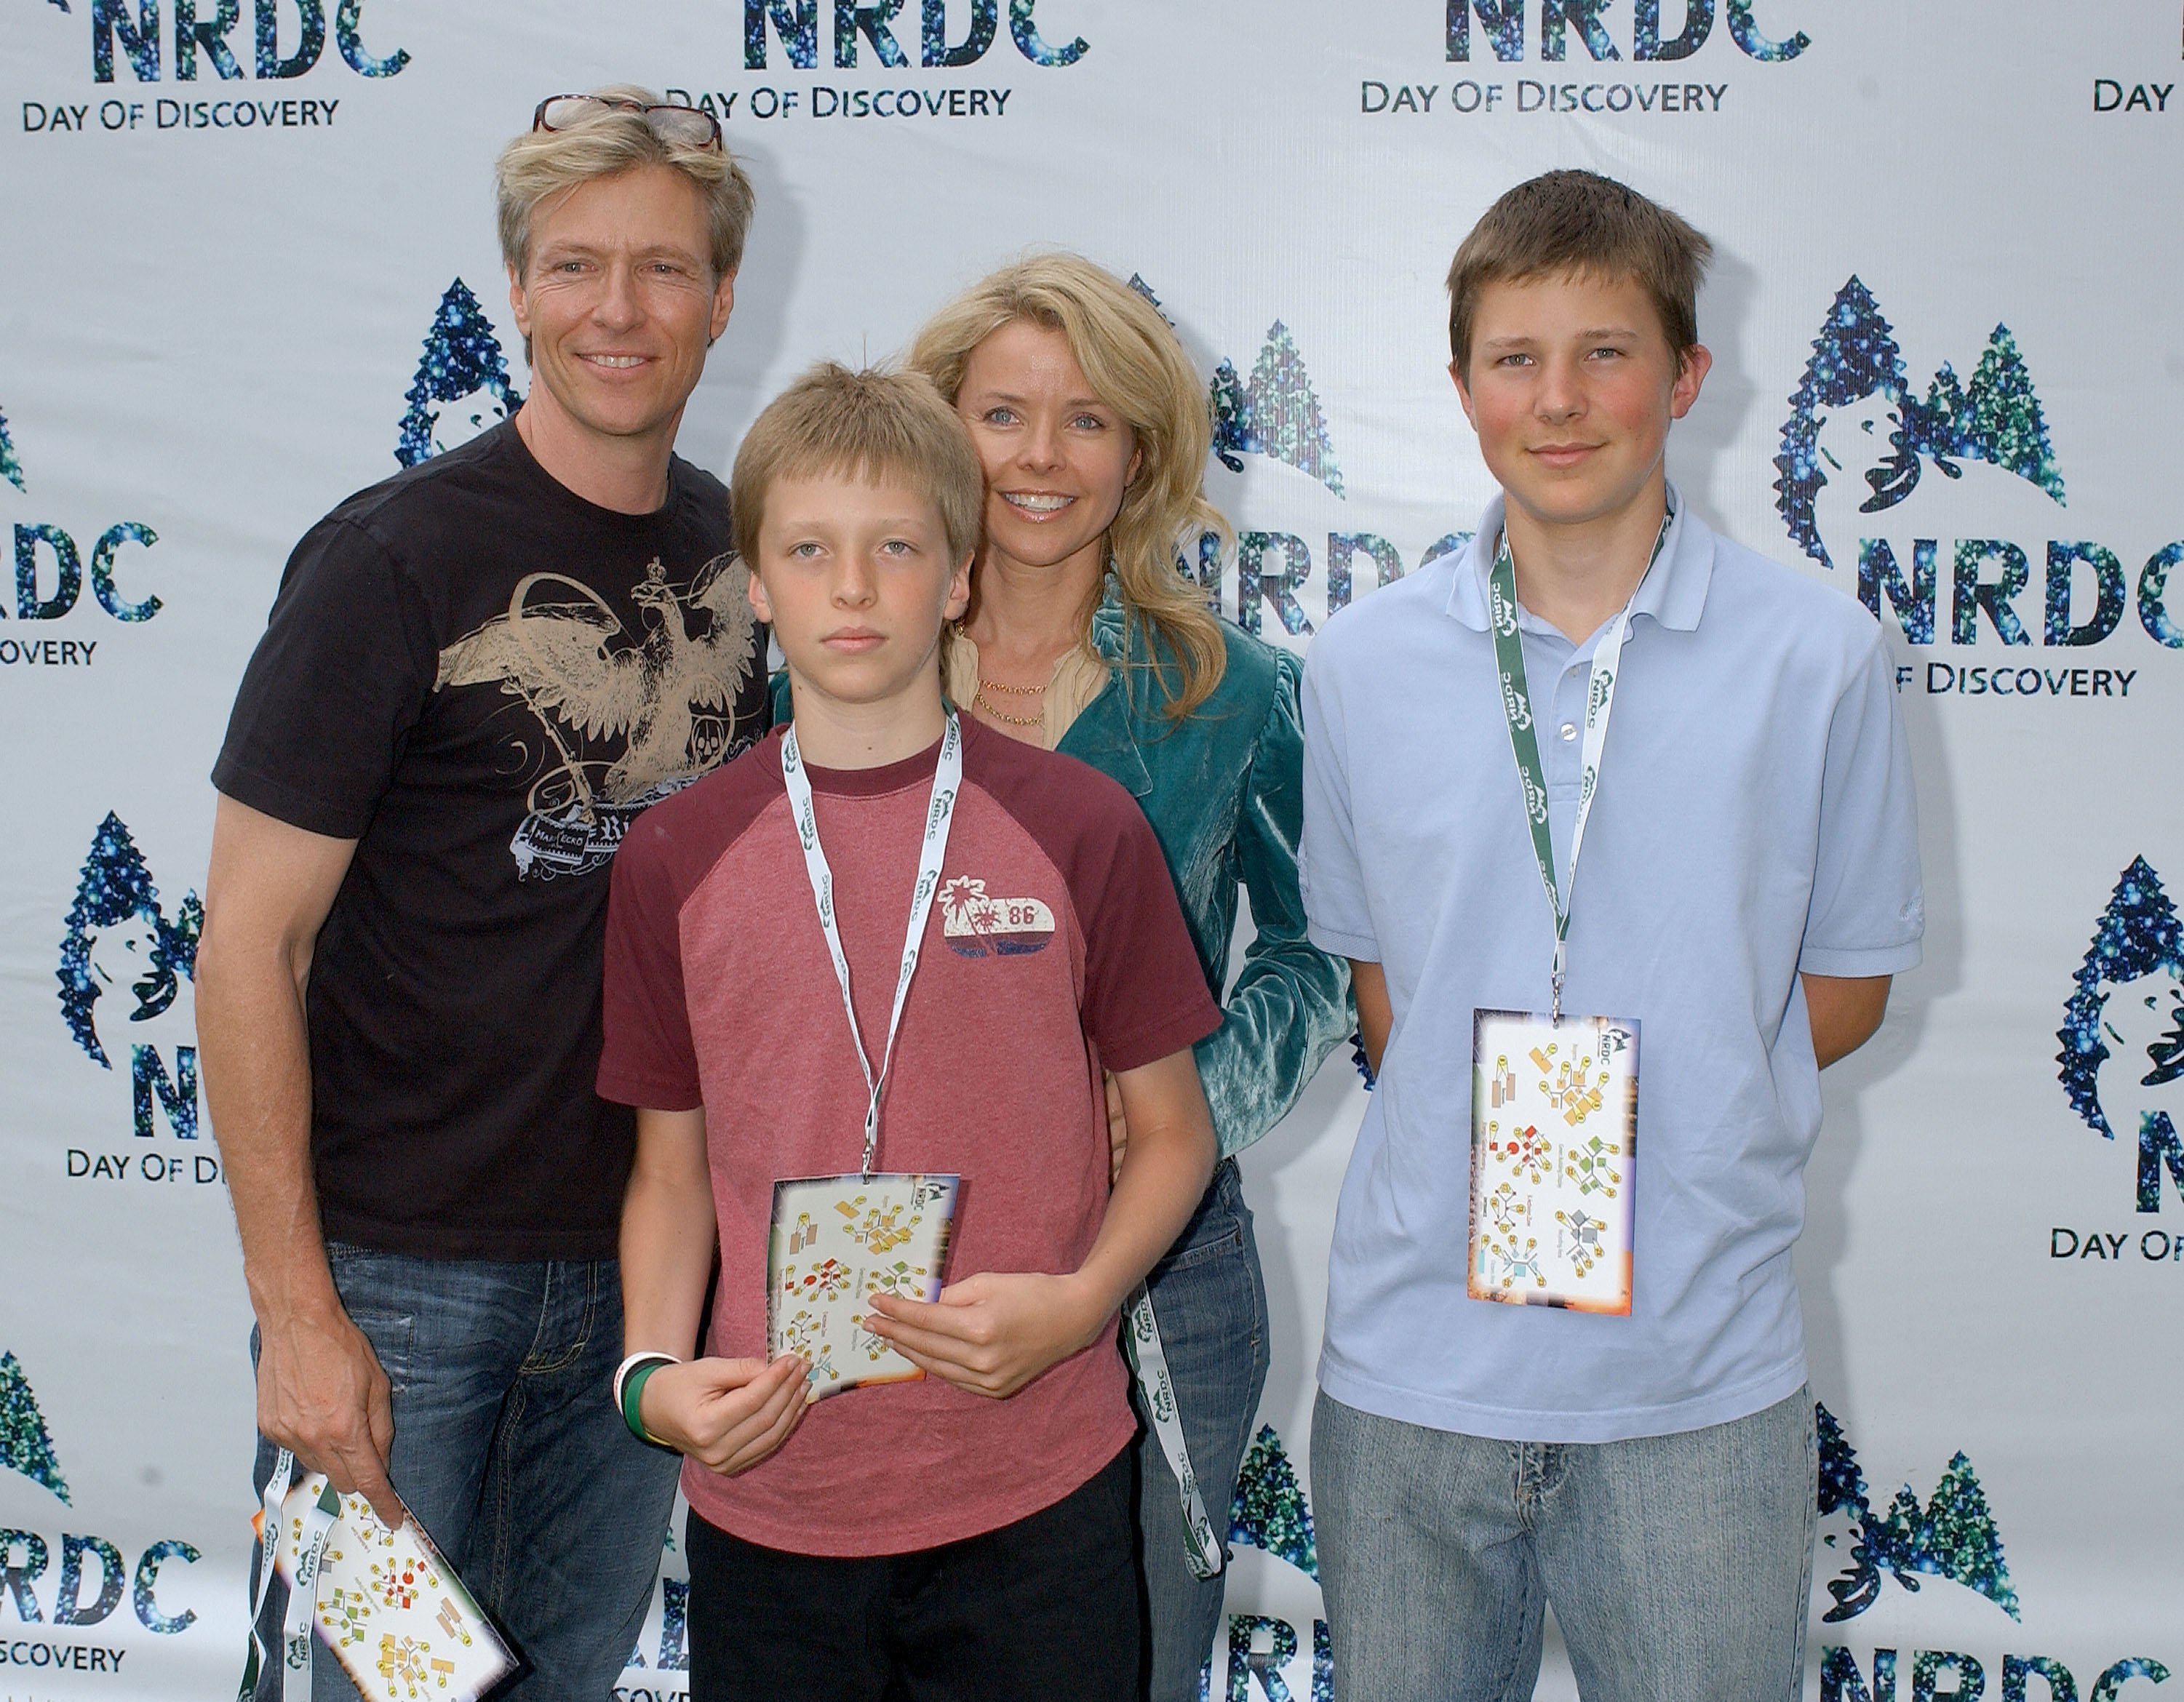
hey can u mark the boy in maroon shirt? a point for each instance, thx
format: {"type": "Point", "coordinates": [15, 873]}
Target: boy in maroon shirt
{"type": "Point", "coordinates": [968, 1534]}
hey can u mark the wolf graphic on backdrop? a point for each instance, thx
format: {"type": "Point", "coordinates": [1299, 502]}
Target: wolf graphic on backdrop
{"type": "Point", "coordinates": [667, 694]}
{"type": "Point", "coordinates": [2123, 1029]}
{"type": "Point", "coordinates": [462, 387]}
{"type": "Point", "coordinates": [123, 964]}
{"type": "Point", "coordinates": [1855, 416]}
{"type": "Point", "coordinates": [1951, 1536]}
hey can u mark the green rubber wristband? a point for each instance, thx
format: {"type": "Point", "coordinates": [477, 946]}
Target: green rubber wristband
{"type": "Point", "coordinates": [633, 1392]}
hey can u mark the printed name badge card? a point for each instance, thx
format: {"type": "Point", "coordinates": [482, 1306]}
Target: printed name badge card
{"type": "Point", "coordinates": [398, 1619]}
{"type": "Point", "coordinates": [836, 1243]}
{"type": "Point", "coordinates": [1554, 1145]}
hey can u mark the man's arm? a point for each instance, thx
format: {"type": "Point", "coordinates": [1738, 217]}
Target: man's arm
{"type": "Point", "coordinates": [726, 1414]}
{"type": "Point", "coordinates": [1369, 981]}
{"type": "Point", "coordinates": [994, 1332]}
{"type": "Point", "coordinates": [320, 1391]}
{"type": "Point", "coordinates": [1844, 1012]}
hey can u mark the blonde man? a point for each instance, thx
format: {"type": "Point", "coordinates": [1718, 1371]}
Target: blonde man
{"type": "Point", "coordinates": [475, 677]}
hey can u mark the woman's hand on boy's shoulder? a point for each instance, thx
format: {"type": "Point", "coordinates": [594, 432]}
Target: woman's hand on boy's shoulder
{"type": "Point", "coordinates": [994, 1332]}
{"type": "Point", "coordinates": [727, 1414]}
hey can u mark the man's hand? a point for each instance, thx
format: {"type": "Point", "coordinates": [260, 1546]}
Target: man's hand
{"type": "Point", "coordinates": [992, 1333]}
{"type": "Point", "coordinates": [727, 1414]}
{"type": "Point", "coordinates": [1118, 1129]}
{"type": "Point", "coordinates": [322, 1396]}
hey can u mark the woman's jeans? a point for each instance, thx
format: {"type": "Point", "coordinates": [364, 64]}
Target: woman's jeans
{"type": "Point", "coordinates": [1211, 1301]}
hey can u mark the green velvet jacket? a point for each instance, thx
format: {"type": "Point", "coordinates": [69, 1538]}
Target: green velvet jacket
{"type": "Point", "coordinates": [1224, 794]}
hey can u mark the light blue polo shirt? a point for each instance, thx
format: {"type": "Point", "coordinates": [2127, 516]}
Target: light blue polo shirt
{"type": "Point", "coordinates": [1754, 818]}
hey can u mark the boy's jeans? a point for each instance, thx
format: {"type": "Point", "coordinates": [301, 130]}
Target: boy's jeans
{"type": "Point", "coordinates": [1680, 1566]}
{"type": "Point", "coordinates": [509, 1450]}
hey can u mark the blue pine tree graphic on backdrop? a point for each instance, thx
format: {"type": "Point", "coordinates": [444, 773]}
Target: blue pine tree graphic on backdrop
{"type": "Point", "coordinates": [27, 1445]}
{"type": "Point", "coordinates": [2138, 935]}
{"type": "Point", "coordinates": [462, 359]}
{"type": "Point", "coordinates": [1270, 1510]}
{"type": "Point", "coordinates": [1952, 1536]}
{"type": "Point", "coordinates": [1855, 356]}
{"type": "Point", "coordinates": [2002, 423]}
{"type": "Point", "coordinates": [1945, 420]}
{"type": "Point", "coordinates": [1275, 413]}
{"type": "Point", "coordinates": [11, 470]}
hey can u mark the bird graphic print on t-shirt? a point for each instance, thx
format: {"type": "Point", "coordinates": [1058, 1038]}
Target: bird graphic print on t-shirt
{"type": "Point", "coordinates": [668, 696]}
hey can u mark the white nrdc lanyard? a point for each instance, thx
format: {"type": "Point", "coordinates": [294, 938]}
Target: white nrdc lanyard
{"type": "Point", "coordinates": [1141, 1339]}
{"type": "Point", "coordinates": [302, 1588]}
{"type": "Point", "coordinates": [947, 777]}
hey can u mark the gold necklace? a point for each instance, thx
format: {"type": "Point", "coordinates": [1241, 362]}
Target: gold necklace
{"type": "Point", "coordinates": [982, 701]}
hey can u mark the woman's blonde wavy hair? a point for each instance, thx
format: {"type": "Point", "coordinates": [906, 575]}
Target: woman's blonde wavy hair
{"type": "Point", "coordinates": [1137, 366]}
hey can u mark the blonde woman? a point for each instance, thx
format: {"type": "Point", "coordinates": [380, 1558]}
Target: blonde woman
{"type": "Point", "coordinates": [1083, 636]}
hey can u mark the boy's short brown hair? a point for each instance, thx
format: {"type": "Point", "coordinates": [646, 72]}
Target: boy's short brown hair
{"type": "Point", "coordinates": [1579, 222]}
{"type": "Point", "coordinates": [866, 424]}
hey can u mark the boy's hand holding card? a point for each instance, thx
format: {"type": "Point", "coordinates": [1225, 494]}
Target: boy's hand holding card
{"type": "Point", "coordinates": [727, 1414]}
{"type": "Point", "coordinates": [994, 1332]}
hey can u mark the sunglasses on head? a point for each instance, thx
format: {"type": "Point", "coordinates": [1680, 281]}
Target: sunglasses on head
{"type": "Point", "coordinates": [682, 125]}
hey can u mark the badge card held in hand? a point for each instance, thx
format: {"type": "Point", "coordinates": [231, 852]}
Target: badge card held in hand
{"type": "Point", "coordinates": [836, 1243]}
{"type": "Point", "coordinates": [1554, 1149]}
{"type": "Point", "coordinates": [398, 1619]}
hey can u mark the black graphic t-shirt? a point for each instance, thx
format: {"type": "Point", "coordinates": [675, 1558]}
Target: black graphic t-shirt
{"type": "Point", "coordinates": [482, 679]}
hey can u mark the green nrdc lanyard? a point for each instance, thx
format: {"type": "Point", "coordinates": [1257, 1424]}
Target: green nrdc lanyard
{"type": "Point", "coordinates": [1524, 739]}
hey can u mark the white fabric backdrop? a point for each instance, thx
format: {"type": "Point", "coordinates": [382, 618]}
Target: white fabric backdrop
{"type": "Point", "coordinates": [218, 300]}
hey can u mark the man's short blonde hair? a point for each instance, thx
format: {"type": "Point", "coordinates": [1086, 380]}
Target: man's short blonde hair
{"type": "Point", "coordinates": [542, 164]}
{"type": "Point", "coordinates": [869, 425]}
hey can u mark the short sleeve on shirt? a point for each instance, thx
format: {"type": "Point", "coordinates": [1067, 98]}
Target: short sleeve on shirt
{"type": "Point", "coordinates": [1867, 912]}
{"type": "Point", "coordinates": [1145, 993]}
{"type": "Point", "coordinates": [343, 673]}
{"type": "Point", "coordinates": [649, 1059]}
{"type": "Point", "coordinates": [1329, 874]}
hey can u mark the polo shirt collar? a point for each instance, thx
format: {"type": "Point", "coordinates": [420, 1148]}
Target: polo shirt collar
{"type": "Point", "coordinates": [1674, 593]}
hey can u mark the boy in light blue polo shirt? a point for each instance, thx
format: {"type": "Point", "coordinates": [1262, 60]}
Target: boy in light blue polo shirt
{"type": "Point", "coordinates": [1639, 1448]}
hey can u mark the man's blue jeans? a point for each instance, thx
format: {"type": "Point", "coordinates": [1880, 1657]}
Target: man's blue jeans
{"type": "Point", "coordinates": [1680, 1566]}
{"type": "Point", "coordinates": [1210, 1300]}
{"type": "Point", "coordinates": [509, 1450]}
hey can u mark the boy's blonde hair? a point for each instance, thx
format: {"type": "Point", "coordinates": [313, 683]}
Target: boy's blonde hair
{"type": "Point", "coordinates": [1136, 366]}
{"type": "Point", "coordinates": [868, 425]}
{"type": "Point", "coordinates": [1582, 223]}
{"type": "Point", "coordinates": [542, 164]}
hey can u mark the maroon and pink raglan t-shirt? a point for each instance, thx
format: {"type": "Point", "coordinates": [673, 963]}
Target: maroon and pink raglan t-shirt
{"type": "Point", "coordinates": [1055, 948]}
